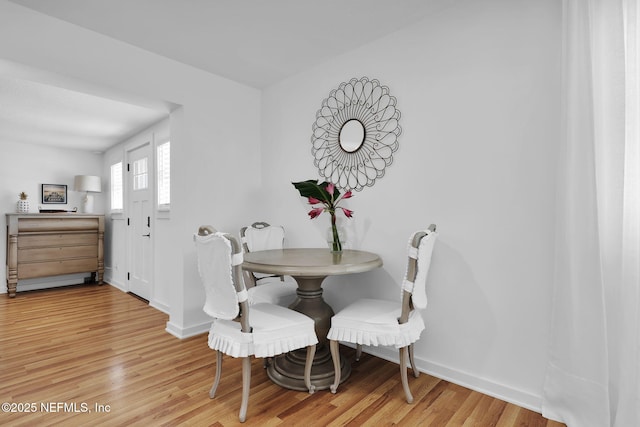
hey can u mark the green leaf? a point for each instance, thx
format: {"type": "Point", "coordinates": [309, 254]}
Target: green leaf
{"type": "Point", "coordinates": [311, 188]}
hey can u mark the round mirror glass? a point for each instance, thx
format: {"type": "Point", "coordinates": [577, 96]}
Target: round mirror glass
{"type": "Point", "coordinates": [351, 135]}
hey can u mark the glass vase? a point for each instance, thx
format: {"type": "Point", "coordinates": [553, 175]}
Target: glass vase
{"type": "Point", "coordinates": [336, 238]}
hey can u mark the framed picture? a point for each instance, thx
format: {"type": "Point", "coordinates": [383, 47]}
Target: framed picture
{"type": "Point", "coordinates": [54, 193]}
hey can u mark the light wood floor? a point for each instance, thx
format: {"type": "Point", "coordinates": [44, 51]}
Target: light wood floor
{"type": "Point", "coordinates": [96, 349]}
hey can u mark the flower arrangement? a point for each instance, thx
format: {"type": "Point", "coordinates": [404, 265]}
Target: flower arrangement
{"type": "Point", "coordinates": [328, 196]}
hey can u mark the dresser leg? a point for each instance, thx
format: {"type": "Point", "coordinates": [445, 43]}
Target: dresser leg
{"type": "Point", "coordinates": [12, 264]}
{"type": "Point", "coordinates": [11, 288]}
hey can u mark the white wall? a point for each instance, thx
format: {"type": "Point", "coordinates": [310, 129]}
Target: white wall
{"type": "Point", "coordinates": [216, 131]}
{"type": "Point", "coordinates": [478, 89]}
{"type": "Point", "coordinates": [25, 167]}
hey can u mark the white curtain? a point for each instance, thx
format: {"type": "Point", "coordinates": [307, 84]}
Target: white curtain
{"type": "Point", "coordinates": [593, 375]}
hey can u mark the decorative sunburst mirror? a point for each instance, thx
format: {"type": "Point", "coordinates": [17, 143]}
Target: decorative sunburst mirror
{"type": "Point", "coordinates": [355, 134]}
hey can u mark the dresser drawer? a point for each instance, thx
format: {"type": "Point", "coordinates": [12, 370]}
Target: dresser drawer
{"type": "Point", "coordinates": [55, 268]}
{"type": "Point", "coordinates": [57, 239]}
{"type": "Point", "coordinates": [57, 253]}
{"type": "Point", "coordinates": [57, 224]}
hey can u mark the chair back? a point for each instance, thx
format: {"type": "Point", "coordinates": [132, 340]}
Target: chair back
{"type": "Point", "coordinates": [414, 285]}
{"type": "Point", "coordinates": [220, 268]}
{"type": "Point", "coordinates": [261, 236]}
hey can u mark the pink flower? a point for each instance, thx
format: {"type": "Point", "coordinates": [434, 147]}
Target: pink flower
{"type": "Point", "coordinates": [329, 200]}
{"type": "Point", "coordinates": [315, 212]}
{"type": "Point", "coordinates": [330, 188]}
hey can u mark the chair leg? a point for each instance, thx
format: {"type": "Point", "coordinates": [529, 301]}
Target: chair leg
{"type": "Point", "coordinates": [311, 352]}
{"type": "Point", "coordinates": [403, 373]}
{"type": "Point", "coordinates": [214, 387]}
{"type": "Point", "coordinates": [358, 352]}
{"type": "Point", "coordinates": [246, 385]}
{"type": "Point", "coordinates": [335, 355]}
{"type": "Point", "coordinates": [416, 373]}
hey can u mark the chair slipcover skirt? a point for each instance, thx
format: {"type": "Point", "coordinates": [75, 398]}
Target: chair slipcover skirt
{"type": "Point", "coordinates": [375, 322]}
{"type": "Point", "coordinates": [272, 333]}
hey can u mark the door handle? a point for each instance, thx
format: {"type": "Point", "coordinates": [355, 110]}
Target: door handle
{"type": "Point", "coordinates": [146, 235]}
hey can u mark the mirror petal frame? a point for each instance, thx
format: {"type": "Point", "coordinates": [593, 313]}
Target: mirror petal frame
{"type": "Point", "coordinates": [371, 104]}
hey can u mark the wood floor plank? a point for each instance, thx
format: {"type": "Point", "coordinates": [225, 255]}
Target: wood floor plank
{"type": "Point", "coordinates": [92, 355]}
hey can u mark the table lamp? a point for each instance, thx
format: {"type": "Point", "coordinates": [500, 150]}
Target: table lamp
{"type": "Point", "coordinates": [88, 184]}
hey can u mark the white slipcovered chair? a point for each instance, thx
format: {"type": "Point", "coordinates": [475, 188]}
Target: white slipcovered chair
{"type": "Point", "coordinates": [240, 330]}
{"type": "Point", "coordinates": [279, 290]}
{"type": "Point", "coordinates": [375, 322]}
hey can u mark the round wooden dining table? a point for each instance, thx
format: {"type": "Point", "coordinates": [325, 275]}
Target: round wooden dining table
{"type": "Point", "coordinates": [309, 267]}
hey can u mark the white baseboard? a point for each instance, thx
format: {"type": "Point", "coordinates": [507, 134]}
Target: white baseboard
{"type": "Point", "coordinates": [160, 306]}
{"type": "Point", "coordinates": [482, 385]}
{"type": "Point", "coordinates": [116, 284]}
{"type": "Point", "coordinates": [49, 282]}
{"type": "Point", "coordinates": [191, 331]}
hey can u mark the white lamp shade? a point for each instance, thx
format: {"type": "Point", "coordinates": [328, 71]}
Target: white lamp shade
{"type": "Point", "coordinates": [87, 183]}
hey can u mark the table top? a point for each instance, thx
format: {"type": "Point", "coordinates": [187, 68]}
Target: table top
{"type": "Point", "coordinates": [310, 262]}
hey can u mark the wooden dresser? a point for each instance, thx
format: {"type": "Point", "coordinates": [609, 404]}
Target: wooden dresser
{"type": "Point", "coordinates": [42, 245]}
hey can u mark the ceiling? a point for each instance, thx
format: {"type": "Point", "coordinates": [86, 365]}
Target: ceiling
{"type": "Point", "coordinates": [37, 113]}
{"type": "Point", "coordinates": [254, 42]}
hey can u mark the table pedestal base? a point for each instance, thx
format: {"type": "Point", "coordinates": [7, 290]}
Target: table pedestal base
{"type": "Point", "coordinates": [287, 370]}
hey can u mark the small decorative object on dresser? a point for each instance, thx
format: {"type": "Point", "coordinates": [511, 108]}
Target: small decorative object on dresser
{"type": "Point", "coordinates": [54, 194]}
{"type": "Point", "coordinates": [42, 245]}
{"type": "Point", "coordinates": [23, 203]}
{"type": "Point", "coordinates": [88, 184]}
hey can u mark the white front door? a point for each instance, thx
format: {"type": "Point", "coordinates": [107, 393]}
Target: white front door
{"type": "Point", "coordinates": [140, 174]}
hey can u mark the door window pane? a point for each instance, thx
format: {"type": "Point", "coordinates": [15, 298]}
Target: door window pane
{"type": "Point", "coordinates": [117, 198]}
{"type": "Point", "coordinates": [164, 175]}
{"type": "Point", "coordinates": [140, 174]}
